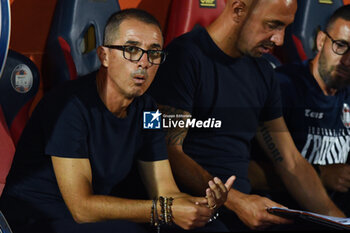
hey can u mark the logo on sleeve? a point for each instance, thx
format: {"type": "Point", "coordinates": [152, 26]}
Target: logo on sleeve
{"type": "Point", "coordinates": [345, 116]}
{"type": "Point", "coordinates": [151, 120]}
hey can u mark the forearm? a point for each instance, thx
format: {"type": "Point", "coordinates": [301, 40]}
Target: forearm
{"type": "Point", "coordinates": [94, 208]}
{"type": "Point", "coordinates": [234, 200]}
{"type": "Point", "coordinates": [307, 189]}
{"type": "Point", "coordinates": [74, 178]}
{"type": "Point", "coordinates": [97, 208]}
{"type": "Point", "coordinates": [157, 176]}
{"type": "Point", "coordinates": [189, 175]}
{"type": "Point", "coordinates": [297, 174]}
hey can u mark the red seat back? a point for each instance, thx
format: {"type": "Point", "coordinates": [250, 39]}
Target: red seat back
{"type": "Point", "coordinates": [6, 152]}
{"type": "Point", "coordinates": [186, 14]}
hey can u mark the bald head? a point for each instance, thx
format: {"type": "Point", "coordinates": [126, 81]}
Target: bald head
{"type": "Point", "coordinates": [237, 7]}
{"type": "Point", "coordinates": [226, 28]}
{"type": "Point", "coordinates": [265, 26]}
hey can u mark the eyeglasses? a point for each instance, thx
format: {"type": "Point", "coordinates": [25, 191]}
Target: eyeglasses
{"type": "Point", "coordinates": [133, 53]}
{"type": "Point", "coordinates": [339, 47]}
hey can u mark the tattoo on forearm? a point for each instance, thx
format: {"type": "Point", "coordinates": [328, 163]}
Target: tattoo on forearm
{"type": "Point", "coordinates": [174, 136]}
{"type": "Point", "coordinates": [276, 155]}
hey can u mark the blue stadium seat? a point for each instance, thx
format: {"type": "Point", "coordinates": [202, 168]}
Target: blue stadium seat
{"type": "Point", "coordinates": [75, 33]}
{"type": "Point", "coordinates": [19, 84]}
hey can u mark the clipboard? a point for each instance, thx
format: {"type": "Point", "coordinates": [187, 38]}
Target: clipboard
{"type": "Point", "coordinates": [328, 221]}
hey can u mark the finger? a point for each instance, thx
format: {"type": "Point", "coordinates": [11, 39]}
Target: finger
{"type": "Point", "coordinates": [262, 226]}
{"type": "Point", "coordinates": [204, 218]}
{"type": "Point", "coordinates": [204, 211]}
{"type": "Point", "coordinates": [343, 184]}
{"type": "Point", "coordinates": [200, 223]}
{"type": "Point", "coordinates": [210, 198]}
{"type": "Point", "coordinates": [273, 219]}
{"type": "Point", "coordinates": [229, 182]}
{"type": "Point", "coordinates": [219, 183]}
{"type": "Point", "coordinates": [215, 189]}
{"type": "Point", "coordinates": [270, 218]}
{"type": "Point", "coordinates": [270, 204]}
{"type": "Point", "coordinates": [341, 188]}
{"type": "Point", "coordinates": [199, 200]}
{"type": "Point", "coordinates": [346, 181]}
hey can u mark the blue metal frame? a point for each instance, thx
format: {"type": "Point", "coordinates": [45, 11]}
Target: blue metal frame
{"type": "Point", "coordinates": [4, 227]}
{"type": "Point", "coordinates": [5, 28]}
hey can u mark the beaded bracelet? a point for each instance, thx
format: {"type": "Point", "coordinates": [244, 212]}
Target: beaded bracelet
{"type": "Point", "coordinates": [166, 213]}
{"type": "Point", "coordinates": [162, 210]}
{"type": "Point", "coordinates": [154, 213]}
{"type": "Point", "coordinates": [169, 216]}
{"type": "Point", "coordinates": [215, 216]}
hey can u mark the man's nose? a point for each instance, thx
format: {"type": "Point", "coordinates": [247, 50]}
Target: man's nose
{"type": "Point", "coordinates": [278, 38]}
{"type": "Point", "coordinates": [143, 62]}
{"type": "Point", "coordinates": [345, 59]}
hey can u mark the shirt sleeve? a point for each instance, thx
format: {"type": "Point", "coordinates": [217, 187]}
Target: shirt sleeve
{"type": "Point", "coordinates": [66, 131]}
{"type": "Point", "coordinates": [273, 105]}
{"type": "Point", "coordinates": [176, 80]}
{"type": "Point", "coordinates": [153, 148]}
{"type": "Point", "coordinates": [286, 89]}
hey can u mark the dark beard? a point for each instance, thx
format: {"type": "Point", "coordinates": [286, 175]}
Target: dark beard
{"type": "Point", "coordinates": [337, 81]}
{"type": "Point", "coordinates": [325, 74]}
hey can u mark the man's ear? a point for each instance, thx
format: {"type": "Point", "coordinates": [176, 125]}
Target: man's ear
{"type": "Point", "coordinates": [102, 53]}
{"type": "Point", "coordinates": [320, 39]}
{"type": "Point", "coordinates": [239, 10]}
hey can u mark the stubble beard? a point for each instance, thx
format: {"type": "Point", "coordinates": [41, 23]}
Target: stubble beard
{"type": "Point", "coordinates": [326, 73]}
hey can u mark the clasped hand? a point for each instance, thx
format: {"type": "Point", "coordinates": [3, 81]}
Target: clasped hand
{"type": "Point", "coordinates": [192, 212]}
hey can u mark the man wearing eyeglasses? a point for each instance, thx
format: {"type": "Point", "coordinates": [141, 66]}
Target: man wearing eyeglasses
{"type": "Point", "coordinates": [83, 138]}
{"type": "Point", "coordinates": [316, 99]}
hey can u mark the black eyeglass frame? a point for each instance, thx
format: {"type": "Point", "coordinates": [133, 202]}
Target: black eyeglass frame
{"type": "Point", "coordinates": [334, 42]}
{"type": "Point", "coordinates": [123, 47]}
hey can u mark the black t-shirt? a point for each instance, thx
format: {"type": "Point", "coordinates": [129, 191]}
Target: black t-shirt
{"type": "Point", "coordinates": [73, 122]}
{"type": "Point", "coordinates": [201, 79]}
